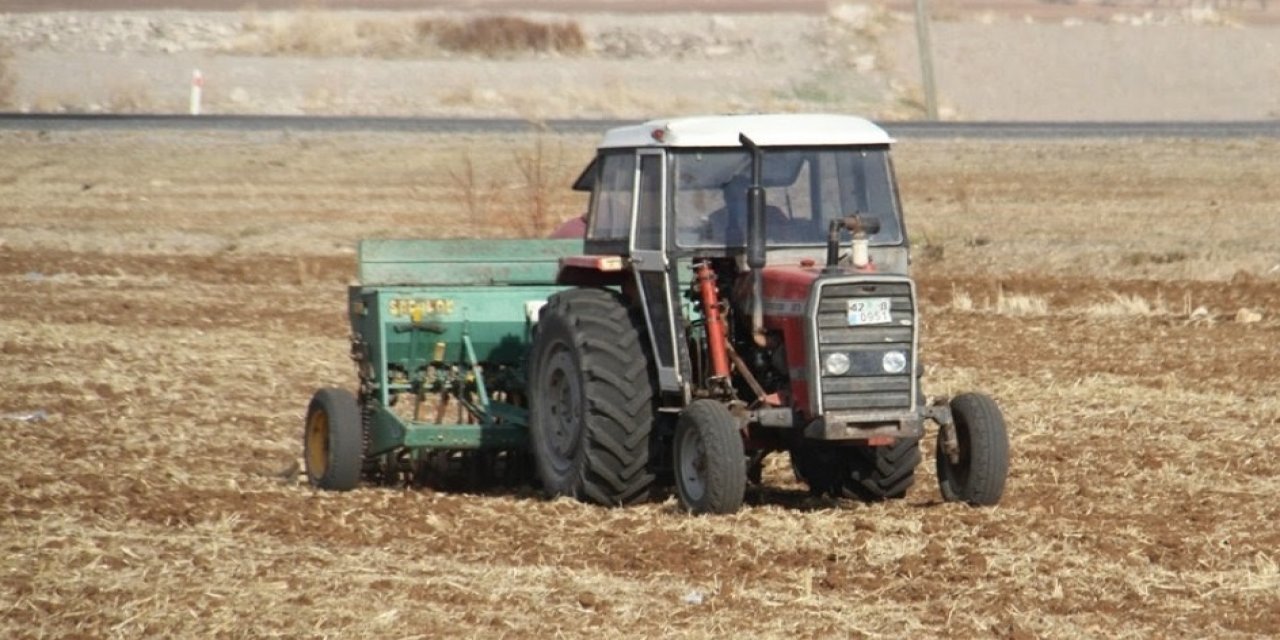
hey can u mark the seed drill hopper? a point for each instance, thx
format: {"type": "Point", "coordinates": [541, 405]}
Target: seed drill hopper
{"type": "Point", "coordinates": [441, 331]}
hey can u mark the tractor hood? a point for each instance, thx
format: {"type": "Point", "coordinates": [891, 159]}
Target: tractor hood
{"type": "Point", "coordinates": [786, 288]}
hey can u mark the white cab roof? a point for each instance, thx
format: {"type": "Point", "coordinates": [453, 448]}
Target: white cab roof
{"type": "Point", "coordinates": [768, 130]}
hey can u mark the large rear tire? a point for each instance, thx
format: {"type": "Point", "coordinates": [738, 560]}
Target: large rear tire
{"type": "Point", "coordinates": [333, 440]}
{"type": "Point", "coordinates": [821, 467]}
{"type": "Point", "coordinates": [870, 474]}
{"type": "Point", "coordinates": [978, 477]}
{"type": "Point", "coordinates": [883, 473]}
{"type": "Point", "coordinates": [710, 462]}
{"type": "Point", "coordinates": [591, 400]}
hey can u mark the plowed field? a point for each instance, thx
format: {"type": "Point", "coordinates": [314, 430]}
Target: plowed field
{"type": "Point", "coordinates": [170, 301]}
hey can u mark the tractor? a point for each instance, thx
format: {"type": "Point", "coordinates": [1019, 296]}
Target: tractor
{"type": "Point", "coordinates": [741, 289]}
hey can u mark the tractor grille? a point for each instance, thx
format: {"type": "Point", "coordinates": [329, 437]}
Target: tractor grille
{"type": "Point", "coordinates": [867, 387]}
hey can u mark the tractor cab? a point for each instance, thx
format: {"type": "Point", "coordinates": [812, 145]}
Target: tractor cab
{"type": "Point", "coordinates": [681, 186]}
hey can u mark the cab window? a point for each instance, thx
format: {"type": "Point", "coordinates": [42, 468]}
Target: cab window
{"type": "Point", "coordinates": [611, 201]}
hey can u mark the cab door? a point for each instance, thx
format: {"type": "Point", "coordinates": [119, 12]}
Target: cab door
{"type": "Point", "coordinates": [654, 274]}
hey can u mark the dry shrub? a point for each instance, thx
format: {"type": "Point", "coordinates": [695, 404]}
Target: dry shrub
{"type": "Point", "coordinates": [7, 78]}
{"type": "Point", "coordinates": [531, 204]}
{"type": "Point", "coordinates": [494, 35]}
{"type": "Point", "coordinates": [323, 33]}
{"type": "Point", "coordinates": [544, 173]}
{"type": "Point", "coordinates": [477, 192]}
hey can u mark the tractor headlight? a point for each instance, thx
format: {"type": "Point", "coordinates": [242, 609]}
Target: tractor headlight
{"type": "Point", "coordinates": [894, 362]}
{"type": "Point", "coordinates": [836, 364]}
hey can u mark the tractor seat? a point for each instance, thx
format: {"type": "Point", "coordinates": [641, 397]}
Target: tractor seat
{"type": "Point", "coordinates": [778, 227]}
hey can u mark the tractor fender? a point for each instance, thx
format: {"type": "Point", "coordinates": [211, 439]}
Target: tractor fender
{"type": "Point", "coordinates": [592, 271]}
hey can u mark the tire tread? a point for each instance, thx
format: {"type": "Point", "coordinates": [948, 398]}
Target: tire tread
{"type": "Point", "coordinates": [726, 473]}
{"type": "Point", "coordinates": [884, 473]}
{"type": "Point", "coordinates": [346, 439]}
{"type": "Point", "coordinates": [617, 391]}
{"type": "Point", "coordinates": [980, 417]}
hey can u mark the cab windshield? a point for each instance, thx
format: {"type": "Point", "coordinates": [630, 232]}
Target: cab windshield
{"type": "Point", "coordinates": [805, 189]}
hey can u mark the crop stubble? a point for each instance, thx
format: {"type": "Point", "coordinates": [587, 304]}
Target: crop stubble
{"type": "Point", "coordinates": [171, 301]}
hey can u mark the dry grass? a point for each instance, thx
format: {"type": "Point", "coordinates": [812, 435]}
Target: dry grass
{"type": "Point", "coordinates": [161, 497]}
{"type": "Point", "coordinates": [1021, 305]}
{"type": "Point", "coordinates": [1134, 210]}
{"type": "Point", "coordinates": [1002, 302]}
{"type": "Point", "coordinates": [961, 300]}
{"type": "Point", "coordinates": [1127, 305]}
{"type": "Point", "coordinates": [1058, 208]}
{"type": "Point", "coordinates": [292, 194]}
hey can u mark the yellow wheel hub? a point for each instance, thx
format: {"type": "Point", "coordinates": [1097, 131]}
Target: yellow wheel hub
{"type": "Point", "coordinates": [317, 444]}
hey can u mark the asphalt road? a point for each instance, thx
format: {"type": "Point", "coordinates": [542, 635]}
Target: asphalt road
{"type": "Point", "coordinates": [937, 130]}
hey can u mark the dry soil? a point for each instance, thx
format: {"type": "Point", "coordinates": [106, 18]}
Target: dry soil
{"type": "Point", "coordinates": [170, 301]}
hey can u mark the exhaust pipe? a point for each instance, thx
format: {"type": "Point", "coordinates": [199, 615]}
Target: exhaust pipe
{"type": "Point", "coordinates": [756, 239]}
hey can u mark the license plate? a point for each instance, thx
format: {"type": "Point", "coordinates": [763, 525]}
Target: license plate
{"type": "Point", "coordinates": [869, 311]}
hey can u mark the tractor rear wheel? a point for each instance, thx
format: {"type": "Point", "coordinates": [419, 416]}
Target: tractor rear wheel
{"type": "Point", "coordinates": [882, 473]}
{"type": "Point", "coordinates": [710, 462]}
{"type": "Point", "coordinates": [333, 440]}
{"type": "Point", "coordinates": [870, 474]}
{"type": "Point", "coordinates": [978, 476]}
{"type": "Point", "coordinates": [591, 400]}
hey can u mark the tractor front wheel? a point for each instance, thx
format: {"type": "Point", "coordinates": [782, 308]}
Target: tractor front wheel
{"type": "Point", "coordinates": [591, 400]}
{"type": "Point", "coordinates": [333, 440]}
{"type": "Point", "coordinates": [978, 475]}
{"type": "Point", "coordinates": [710, 463]}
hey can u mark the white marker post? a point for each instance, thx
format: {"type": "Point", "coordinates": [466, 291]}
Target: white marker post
{"type": "Point", "coordinates": [197, 88]}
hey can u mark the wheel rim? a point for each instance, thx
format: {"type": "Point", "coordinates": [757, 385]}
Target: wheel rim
{"type": "Point", "coordinates": [692, 464]}
{"type": "Point", "coordinates": [317, 443]}
{"type": "Point", "coordinates": [563, 399]}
